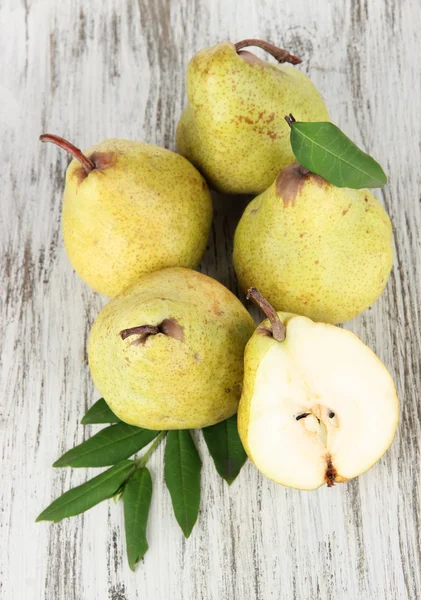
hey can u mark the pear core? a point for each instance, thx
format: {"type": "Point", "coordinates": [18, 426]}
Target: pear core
{"type": "Point", "coordinates": [318, 408]}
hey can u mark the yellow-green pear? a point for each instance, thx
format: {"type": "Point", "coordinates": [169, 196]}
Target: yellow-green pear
{"type": "Point", "coordinates": [167, 353]}
{"type": "Point", "coordinates": [130, 208]}
{"type": "Point", "coordinates": [314, 249]}
{"type": "Point", "coordinates": [318, 407]}
{"type": "Point", "coordinates": [233, 129]}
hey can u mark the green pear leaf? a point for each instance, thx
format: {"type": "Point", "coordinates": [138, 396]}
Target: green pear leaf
{"type": "Point", "coordinates": [323, 149]}
{"type": "Point", "coordinates": [137, 500]}
{"type": "Point", "coordinates": [90, 493]}
{"type": "Point", "coordinates": [225, 447]}
{"type": "Point", "coordinates": [107, 447]}
{"type": "Point", "coordinates": [100, 413]}
{"type": "Point", "coordinates": [182, 477]}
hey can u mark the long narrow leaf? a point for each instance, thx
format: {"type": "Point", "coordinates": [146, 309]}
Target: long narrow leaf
{"type": "Point", "coordinates": [137, 499]}
{"type": "Point", "coordinates": [107, 447]}
{"type": "Point", "coordinates": [182, 476]}
{"type": "Point", "coordinates": [85, 496]}
{"type": "Point", "coordinates": [225, 447]}
{"type": "Point", "coordinates": [100, 413]}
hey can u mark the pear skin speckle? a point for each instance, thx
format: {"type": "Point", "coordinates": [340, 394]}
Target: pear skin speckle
{"type": "Point", "coordinates": [188, 372]}
{"type": "Point", "coordinates": [233, 129]}
{"type": "Point", "coordinates": [143, 208]}
{"type": "Point", "coordinates": [314, 249]}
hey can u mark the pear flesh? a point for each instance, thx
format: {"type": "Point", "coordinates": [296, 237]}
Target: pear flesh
{"type": "Point", "coordinates": [317, 408]}
{"type": "Point", "coordinates": [233, 128]}
{"type": "Point", "coordinates": [130, 208]}
{"type": "Point", "coordinates": [314, 249]}
{"type": "Point", "coordinates": [168, 352]}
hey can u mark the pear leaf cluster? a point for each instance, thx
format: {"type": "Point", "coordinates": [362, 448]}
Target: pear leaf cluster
{"type": "Point", "coordinates": [131, 481]}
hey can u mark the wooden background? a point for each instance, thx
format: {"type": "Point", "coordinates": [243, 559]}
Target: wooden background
{"type": "Point", "coordinates": [96, 69]}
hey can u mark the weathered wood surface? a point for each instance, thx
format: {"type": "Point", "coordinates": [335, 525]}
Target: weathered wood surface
{"type": "Point", "coordinates": [91, 70]}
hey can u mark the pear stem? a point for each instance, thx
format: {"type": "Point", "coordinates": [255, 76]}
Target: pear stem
{"type": "Point", "coordinates": [280, 54]}
{"type": "Point", "coordinates": [278, 328]}
{"type": "Point", "coordinates": [86, 162]}
{"type": "Point", "coordinates": [289, 119]}
{"type": "Point", "coordinates": [141, 462]}
{"type": "Point", "coordinates": [142, 330]}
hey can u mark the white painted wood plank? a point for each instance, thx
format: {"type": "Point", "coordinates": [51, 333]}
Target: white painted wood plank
{"type": "Point", "coordinates": [94, 70]}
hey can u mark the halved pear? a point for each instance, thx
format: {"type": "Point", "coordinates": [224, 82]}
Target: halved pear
{"type": "Point", "coordinates": [317, 405]}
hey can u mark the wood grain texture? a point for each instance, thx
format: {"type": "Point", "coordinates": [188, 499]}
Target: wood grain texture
{"type": "Point", "coordinates": [91, 70]}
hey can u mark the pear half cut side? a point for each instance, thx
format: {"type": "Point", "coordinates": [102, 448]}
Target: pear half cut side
{"type": "Point", "coordinates": [317, 408]}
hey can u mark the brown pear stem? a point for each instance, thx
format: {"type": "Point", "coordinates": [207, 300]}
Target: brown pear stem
{"type": "Point", "coordinates": [280, 54]}
{"type": "Point", "coordinates": [142, 330]}
{"type": "Point", "coordinates": [278, 328]}
{"type": "Point", "coordinates": [86, 162]}
{"type": "Point", "coordinates": [289, 119]}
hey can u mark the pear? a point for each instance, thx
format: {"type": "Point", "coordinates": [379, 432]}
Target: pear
{"type": "Point", "coordinates": [167, 353]}
{"type": "Point", "coordinates": [130, 208]}
{"type": "Point", "coordinates": [233, 129]}
{"type": "Point", "coordinates": [314, 249]}
{"type": "Point", "coordinates": [318, 407]}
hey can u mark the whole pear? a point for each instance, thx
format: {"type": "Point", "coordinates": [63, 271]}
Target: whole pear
{"type": "Point", "coordinates": [233, 129]}
{"type": "Point", "coordinates": [167, 353]}
{"type": "Point", "coordinates": [314, 249]}
{"type": "Point", "coordinates": [318, 407]}
{"type": "Point", "coordinates": [130, 208]}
